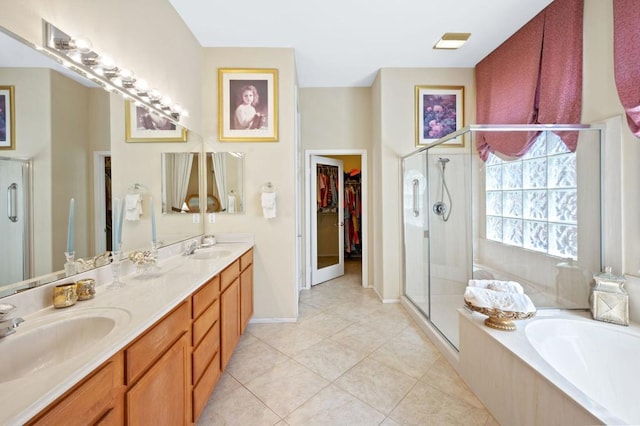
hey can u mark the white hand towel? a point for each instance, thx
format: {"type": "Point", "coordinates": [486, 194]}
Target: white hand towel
{"type": "Point", "coordinates": [497, 285]}
{"type": "Point", "coordinates": [269, 205]}
{"type": "Point", "coordinates": [133, 206]}
{"type": "Point", "coordinates": [231, 204]}
{"type": "Point", "coordinates": [505, 301]}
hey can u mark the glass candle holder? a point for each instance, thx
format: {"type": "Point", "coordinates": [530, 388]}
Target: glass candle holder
{"type": "Point", "coordinates": [115, 269]}
{"type": "Point", "coordinates": [70, 266]}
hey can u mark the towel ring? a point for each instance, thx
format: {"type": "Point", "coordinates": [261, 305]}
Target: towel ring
{"type": "Point", "coordinates": [268, 187]}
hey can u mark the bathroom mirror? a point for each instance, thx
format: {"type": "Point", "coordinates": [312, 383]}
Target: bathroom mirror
{"type": "Point", "coordinates": [180, 182]}
{"type": "Point", "coordinates": [225, 182]}
{"type": "Point", "coordinates": [71, 146]}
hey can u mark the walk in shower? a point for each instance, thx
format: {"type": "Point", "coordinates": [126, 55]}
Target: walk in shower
{"type": "Point", "coordinates": [535, 219]}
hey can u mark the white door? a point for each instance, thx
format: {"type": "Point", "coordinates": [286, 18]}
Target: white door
{"type": "Point", "coordinates": [327, 219]}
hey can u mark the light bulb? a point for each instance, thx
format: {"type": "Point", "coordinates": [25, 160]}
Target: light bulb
{"type": "Point", "coordinates": [126, 74]}
{"type": "Point", "coordinates": [81, 44]}
{"type": "Point", "coordinates": [141, 85]}
{"type": "Point", "coordinates": [107, 62]}
{"type": "Point", "coordinates": [154, 95]}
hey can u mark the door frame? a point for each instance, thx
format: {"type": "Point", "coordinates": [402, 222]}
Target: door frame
{"type": "Point", "coordinates": [308, 210]}
{"type": "Point", "coordinates": [99, 202]}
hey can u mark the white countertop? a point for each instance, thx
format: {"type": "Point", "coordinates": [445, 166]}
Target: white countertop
{"type": "Point", "coordinates": [139, 303]}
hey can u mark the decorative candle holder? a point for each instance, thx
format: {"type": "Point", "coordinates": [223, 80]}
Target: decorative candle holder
{"type": "Point", "coordinates": [115, 269]}
{"type": "Point", "coordinates": [70, 266]}
{"type": "Point", "coordinates": [145, 261]}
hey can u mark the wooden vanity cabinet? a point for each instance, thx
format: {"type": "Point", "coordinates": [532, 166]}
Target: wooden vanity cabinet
{"type": "Point", "coordinates": [229, 312]}
{"type": "Point", "coordinates": [158, 372]}
{"type": "Point", "coordinates": [246, 289]}
{"type": "Point", "coordinates": [97, 400]}
{"type": "Point", "coordinates": [168, 373]}
{"type": "Point", "coordinates": [236, 304]}
{"type": "Point", "coordinates": [205, 335]}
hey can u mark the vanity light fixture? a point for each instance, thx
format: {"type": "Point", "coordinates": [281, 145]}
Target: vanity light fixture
{"type": "Point", "coordinates": [452, 41]}
{"type": "Point", "coordinates": [101, 68]}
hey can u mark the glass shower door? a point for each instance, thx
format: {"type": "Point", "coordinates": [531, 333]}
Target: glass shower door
{"type": "Point", "coordinates": [14, 221]}
{"type": "Point", "coordinates": [416, 232]}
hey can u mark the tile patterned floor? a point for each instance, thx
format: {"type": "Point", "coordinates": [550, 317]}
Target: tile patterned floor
{"type": "Point", "coordinates": [349, 360]}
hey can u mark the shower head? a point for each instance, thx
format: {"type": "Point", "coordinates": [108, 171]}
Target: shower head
{"type": "Point", "coordinates": [443, 160]}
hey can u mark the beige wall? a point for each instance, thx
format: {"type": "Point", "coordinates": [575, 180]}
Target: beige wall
{"type": "Point", "coordinates": [140, 162]}
{"type": "Point", "coordinates": [275, 292]}
{"type": "Point", "coordinates": [338, 118]}
{"type": "Point", "coordinates": [70, 165]}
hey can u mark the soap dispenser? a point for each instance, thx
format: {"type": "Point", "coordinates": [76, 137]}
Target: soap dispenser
{"type": "Point", "coordinates": [609, 299]}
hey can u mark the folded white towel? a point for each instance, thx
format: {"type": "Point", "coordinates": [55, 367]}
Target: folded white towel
{"type": "Point", "coordinates": [505, 301]}
{"type": "Point", "coordinates": [497, 285]}
{"type": "Point", "coordinates": [268, 200]}
{"type": "Point", "coordinates": [133, 206]}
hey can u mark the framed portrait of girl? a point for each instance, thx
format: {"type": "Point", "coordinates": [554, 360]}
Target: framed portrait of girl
{"type": "Point", "coordinates": [247, 105]}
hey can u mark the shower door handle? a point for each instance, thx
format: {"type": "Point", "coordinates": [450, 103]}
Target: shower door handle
{"type": "Point", "coordinates": [416, 209]}
{"type": "Point", "coordinates": [12, 202]}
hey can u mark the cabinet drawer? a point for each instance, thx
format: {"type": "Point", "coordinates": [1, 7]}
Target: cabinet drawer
{"type": "Point", "coordinates": [205, 352]}
{"type": "Point", "coordinates": [144, 351]}
{"type": "Point", "coordinates": [246, 260]}
{"type": "Point", "coordinates": [229, 275]}
{"type": "Point", "coordinates": [205, 296]}
{"type": "Point", "coordinates": [90, 400]}
{"type": "Point", "coordinates": [205, 321]}
{"type": "Point", "coordinates": [202, 391]}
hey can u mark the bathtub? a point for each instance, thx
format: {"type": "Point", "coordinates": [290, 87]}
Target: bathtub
{"type": "Point", "coordinates": [561, 367]}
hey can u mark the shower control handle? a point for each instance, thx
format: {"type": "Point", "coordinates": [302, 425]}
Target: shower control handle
{"type": "Point", "coordinates": [12, 202]}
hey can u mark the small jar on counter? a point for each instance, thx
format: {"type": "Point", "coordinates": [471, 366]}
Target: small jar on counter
{"type": "Point", "coordinates": [609, 299]}
{"type": "Point", "coordinates": [86, 288]}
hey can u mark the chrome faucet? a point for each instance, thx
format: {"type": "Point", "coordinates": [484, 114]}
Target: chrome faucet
{"type": "Point", "coordinates": [191, 248]}
{"type": "Point", "coordinates": [8, 326]}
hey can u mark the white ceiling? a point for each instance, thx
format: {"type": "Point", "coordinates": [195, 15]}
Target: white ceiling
{"type": "Point", "coordinates": [343, 43]}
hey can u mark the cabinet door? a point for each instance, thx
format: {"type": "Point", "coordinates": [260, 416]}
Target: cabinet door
{"type": "Point", "coordinates": [229, 321]}
{"type": "Point", "coordinates": [162, 396]}
{"type": "Point", "coordinates": [246, 297]}
{"type": "Point", "coordinates": [99, 396]}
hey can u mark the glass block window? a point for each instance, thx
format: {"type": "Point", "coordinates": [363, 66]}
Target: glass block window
{"type": "Point", "coordinates": [532, 202]}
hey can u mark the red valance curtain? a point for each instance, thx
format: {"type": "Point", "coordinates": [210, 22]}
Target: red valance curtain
{"type": "Point", "coordinates": [535, 77]}
{"type": "Point", "coordinates": [626, 52]}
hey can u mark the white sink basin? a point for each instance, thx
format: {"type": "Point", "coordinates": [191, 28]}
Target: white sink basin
{"type": "Point", "coordinates": [210, 253]}
{"type": "Point", "coordinates": [56, 338]}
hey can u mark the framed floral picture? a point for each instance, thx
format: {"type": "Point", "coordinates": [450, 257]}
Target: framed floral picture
{"type": "Point", "coordinates": [248, 105]}
{"type": "Point", "coordinates": [7, 118]}
{"type": "Point", "coordinates": [439, 112]}
{"type": "Point", "coordinates": [143, 125]}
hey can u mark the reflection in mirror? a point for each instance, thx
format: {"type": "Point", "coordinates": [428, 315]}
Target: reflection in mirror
{"type": "Point", "coordinates": [225, 182]}
{"type": "Point", "coordinates": [64, 131]}
{"type": "Point", "coordinates": [59, 123]}
{"type": "Point", "coordinates": [180, 182]}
